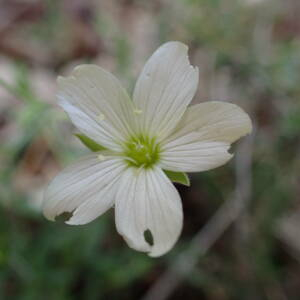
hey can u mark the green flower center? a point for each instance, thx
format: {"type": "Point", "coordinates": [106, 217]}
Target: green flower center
{"type": "Point", "coordinates": [142, 152]}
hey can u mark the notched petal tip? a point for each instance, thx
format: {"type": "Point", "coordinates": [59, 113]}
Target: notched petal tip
{"type": "Point", "coordinates": [142, 246]}
{"type": "Point", "coordinates": [147, 244]}
{"type": "Point", "coordinates": [176, 44]}
{"type": "Point", "coordinates": [80, 68]}
{"type": "Point", "coordinates": [157, 252]}
{"type": "Point", "coordinates": [183, 48]}
{"type": "Point", "coordinates": [90, 70]}
{"type": "Point", "coordinates": [72, 221]}
{"type": "Point", "coordinates": [49, 216]}
{"type": "Point", "coordinates": [84, 68]}
{"type": "Point", "coordinates": [63, 81]}
{"type": "Point", "coordinates": [162, 247]}
{"type": "Point", "coordinates": [77, 72]}
{"type": "Point", "coordinates": [53, 215]}
{"type": "Point", "coordinates": [67, 217]}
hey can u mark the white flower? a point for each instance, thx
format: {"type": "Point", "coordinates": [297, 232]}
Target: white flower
{"type": "Point", "coordinates": [154, 131]}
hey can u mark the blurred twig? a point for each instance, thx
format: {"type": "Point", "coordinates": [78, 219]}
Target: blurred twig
{"type": "Point", "coordinates": [210, 233]}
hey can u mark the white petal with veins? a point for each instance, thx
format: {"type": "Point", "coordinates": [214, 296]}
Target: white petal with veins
{"type": "Point", "coordinates": [97, 105]}
{"type": "Point", "coordinates": [165, 87]}
{"type": "Point", "coordinates": [147, 200]}
{"type": "Point", "coordinates": [202, 138]}
{"type": "Point", "coordinates": [80, 183]}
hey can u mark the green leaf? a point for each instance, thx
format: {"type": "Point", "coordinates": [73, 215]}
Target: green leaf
{"type": "Point", "coordinates": [92, 145]}
{"type": "Point", "coordinates": [178, 177]}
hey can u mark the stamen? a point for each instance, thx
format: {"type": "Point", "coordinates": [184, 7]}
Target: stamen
{"type": "Point", "coordinates": [130, 159]}
{"type": "Point", "coordinates": [142, 152]}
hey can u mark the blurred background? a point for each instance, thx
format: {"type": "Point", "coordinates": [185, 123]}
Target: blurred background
{"type": "Point", "coordinates": [241, 235]}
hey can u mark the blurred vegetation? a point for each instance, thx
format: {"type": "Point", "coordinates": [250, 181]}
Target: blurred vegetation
{"type": "Point", "coordinates": [248, 52]}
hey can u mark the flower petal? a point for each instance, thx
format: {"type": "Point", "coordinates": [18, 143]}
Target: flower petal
{"type": "Point", "coordinates": [95, 206]}
{"type": "Point", "coordinates": [195, 157]}
{"type": "Point", "coordinates": [202, 138]}
{"type": "Point", "coordinates": [85, 187]}
{"type": "Point", "coordinates": [165, 87]}
{"type": "Point", "coordinates": [97, 105]}
{"type": "Point", "coordinates": [147, 200]}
